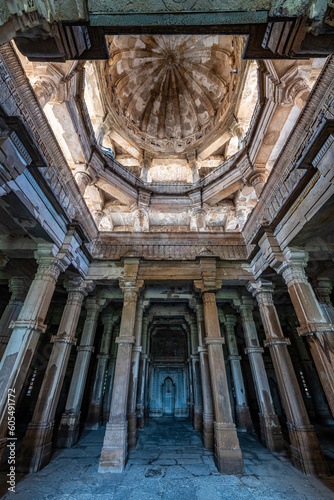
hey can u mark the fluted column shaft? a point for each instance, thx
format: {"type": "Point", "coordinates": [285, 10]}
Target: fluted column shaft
{"type": "Point", "coordinates": [244, 420]}
{"type": "Point", "coordinates": [313, 323]}
{"type": "Point", "coordinates": [37, 443]}
{"type": "Point", "coordinates": [142, 380]}
{"type": "Point", "coordinates": [115, 445]}
{"type": "Point", "coordinates": [271, 434]}
{"type": "Point", "coordinates": [27, 328]}
{"type": "Point", "coordinates": [110, 377]}
{"type": "Point", "coordinates": [304, 445]}
{"type": "Point", "coordinates": [205, 379]}
{"type": "Point", "coordinates": [132, 401]}
{"type": "Point", "coordinates": [227, 450]}
{"type": "Point", "coordinates": [94, 416]}
{"type": "Point", "coordinates": [68, 431]}
{"type": "Point", "coordinates": [19, 288]}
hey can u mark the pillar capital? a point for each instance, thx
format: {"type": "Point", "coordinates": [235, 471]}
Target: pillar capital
{"type": "Point", "coordinates": [263, 291]}
{"type": "Point", "coordinates": [323, 290]}
{"type": "Point", "coordinates": [93, 304]}
{"type": "Point", "coordinates": [18, 287]}
{"type": "Point", "coordinates": [230, 320]}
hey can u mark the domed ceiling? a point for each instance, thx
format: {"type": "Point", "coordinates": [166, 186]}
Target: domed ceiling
{"type": "Point", "coordinates": [169, 93]}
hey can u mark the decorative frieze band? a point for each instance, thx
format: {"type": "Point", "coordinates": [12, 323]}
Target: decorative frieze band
{"type": "Point", "coordinates": [276, 342]}
{"type": "Point", "coordinates": [28, 324]}
{"type": "Point", "coordinates": [214, 340]}
{"type": "Point", "coordinates": [86, 348]}
{"type": "Point", "coordinates": [252, 349]}
{"type": "Point", "coordinates": [64, 339]}
{"type": "Point", "coordinates": [173, 251]}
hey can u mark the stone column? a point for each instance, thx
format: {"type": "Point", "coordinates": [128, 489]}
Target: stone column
{"type": "Point", "coordinates": [132, 401]}
{"type": "Point", "coordinates": [190, 378]}
{"type": "Point", "coordinates": [94, 416]}
{"type": "Point", "coordinates": [312, 379]}
{"type": "Point", "coordinates": [110, 378]}
{"type": "Point", "coordinates": [312, 320]}
{"type": "Point", "coordinates": [304, 445]}
{"type": "Point", "coordinates": [198, 404]}
{"type": "Point", "coordinates": [206, 382]}
{"type": "Point", "coordinates": [115, 445]}
{"type": "Point", "coordinates": [19, 288]}
{"type": "Point", "coordinates": [323, 292]}
{"type": "Point", "coordinates": [244, 420]}
{"type": "Point", "coordinates": [68, 431]}
{"type": "Point", "coordinates": [226, 444]}
{"type": "Point", "coordinates": [271, 435]}
{"type": "Point", "coordinates": [83, 180]}
{"type": "Point", "coordinates": [37, 443]}
{"type": "Point", "coordinates": [27, 328]}
{"type": "Point", "coordinates": [257, 181]}
{"type": "Point", "coordinates": [142, 380]}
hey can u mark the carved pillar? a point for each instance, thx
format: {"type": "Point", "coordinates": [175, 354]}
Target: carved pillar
{"type": "Point", "coordinates": [115, 445]}
{"type": "Point", "coordinates": [68, 431]}
{"type": "Point", "coordinates": [257, 181]}
{"type": "Point", "coordinates": [19, 288]}
{"type": "Point", "coordinates": [205, 379]}
{"type": "Point", "coordinates": [197, 221]}
{"type": "Point", "coordinates": [147, 161]}
{"type": "Point", "coordinates": [37, 443]}
{"type": "Point", "coordinates": [244, 420]}
{"type": "Point", "coordinates": [323, 293]}
{"type": "Point", "coordinates": [227, 450]}
{"type": "Point", "coordinates": [110, 378]}
{"type": "Point", "coordinates": [312, 379]}
{"type": "Point", "coordinates": [94, 416]}
{"type": "Point", "coordinates": [142, 380]}
{"type": "Point", "coordinates": [83, 180]}
{"type": "Point", "coordinates": [136, 350]}
{"type": "Point", "coordinates": [142, 221]}
{"type": "Point", "coordinates": [198, 404]}
{"type": "Point", "coordinates": [192, 164]}
{"type": "Point", "coordinates": [271, 435]}
{"type": "Point", "coordinates": [304, 445]}
{"type": "Point", "coordinates": [27, 329]}
{"type": "Point", "coordinates": [190, 378]}
{"type": "Point", "coordinates": [312, 320]}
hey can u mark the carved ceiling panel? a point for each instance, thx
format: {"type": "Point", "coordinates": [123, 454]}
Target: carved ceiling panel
{"type": "Point", "coordinates": [169, 93]}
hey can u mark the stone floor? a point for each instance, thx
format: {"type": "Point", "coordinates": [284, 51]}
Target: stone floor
{"type": "Point", "coordinates": [170, 463]}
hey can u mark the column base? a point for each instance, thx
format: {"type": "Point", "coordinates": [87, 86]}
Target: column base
{"type": "Point", "coordinates": [244, 419]}
{"type": "Point", "coordinates": [198, 421]}
{"type": "Point", "coordinates": [114, 453]}
{"type": "Point", "coordinates": [132, 431]}
{"type": "Point", "coordinates": [208, 440]}
{"type": "Point", "coordinates": [271, 434]}
{"type": "Point", "coordinates": [36, 448]}
{"type": "Point", "coordinates": [305, 451]}
{"type": "Point", "coordinates": [228, 455]}
{"type": "Point", "coordinates": [68, 430]}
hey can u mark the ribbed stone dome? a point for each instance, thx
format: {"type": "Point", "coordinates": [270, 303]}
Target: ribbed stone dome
{"type": "Point", "coordinates": [170, 91]}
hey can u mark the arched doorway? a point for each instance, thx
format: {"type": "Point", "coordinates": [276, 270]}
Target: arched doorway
{"type": "Point", "coordinates": [168, 397]}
